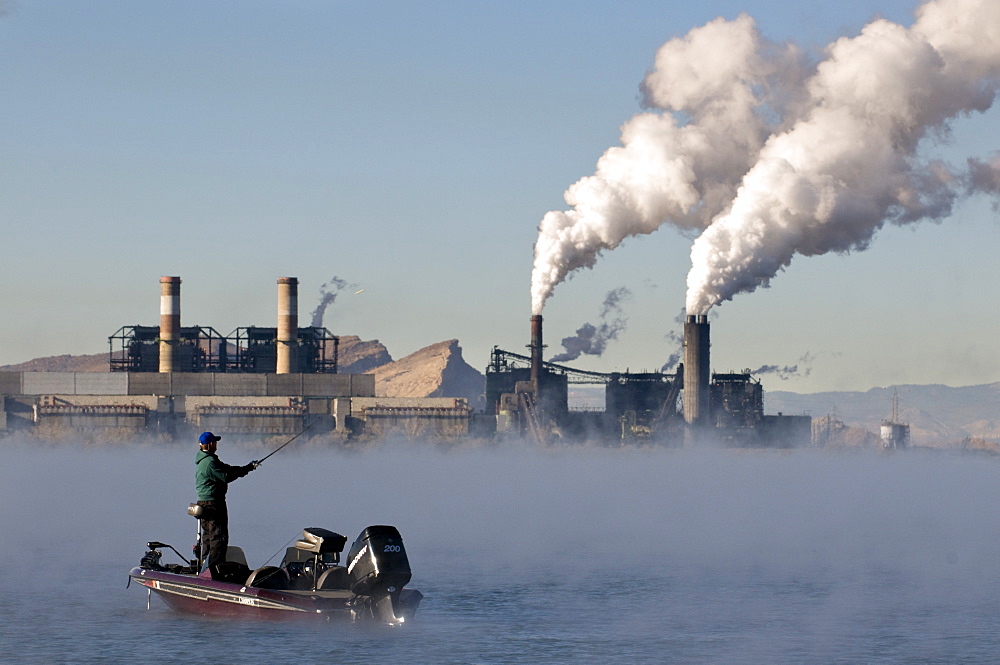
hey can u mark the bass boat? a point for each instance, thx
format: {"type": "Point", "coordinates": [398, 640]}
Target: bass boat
{"type": "Point", "coordinates": [309, 583]}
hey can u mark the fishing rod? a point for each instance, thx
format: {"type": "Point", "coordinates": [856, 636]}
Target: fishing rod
{"type": "Point", "coordinates": [304, 430]}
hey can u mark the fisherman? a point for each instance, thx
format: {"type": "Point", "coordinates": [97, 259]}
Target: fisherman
{"type": "Point", "coordinates": [212, 478]}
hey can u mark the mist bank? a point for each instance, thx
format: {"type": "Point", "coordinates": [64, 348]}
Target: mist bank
{"type": "Point", "coordinates": [519, 510]}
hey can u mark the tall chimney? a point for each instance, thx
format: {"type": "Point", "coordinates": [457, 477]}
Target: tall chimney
{"type": "Point", "coordinates": [288, 325]}
{"type": "Point", "coordinates": [536, 350]}
{"type": "Point", "coordinates": [696, 368]}
{"type": "Point", "coordinates": [170, 322]}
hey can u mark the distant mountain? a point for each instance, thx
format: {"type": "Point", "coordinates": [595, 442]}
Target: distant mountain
{"type": "Point", "coordinates": [936, 414]}
{"type": "Point", "coordinates": [98, 362]}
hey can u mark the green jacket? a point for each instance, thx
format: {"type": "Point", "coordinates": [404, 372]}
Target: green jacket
{"type": "Point", "coordinates": [212, 476]}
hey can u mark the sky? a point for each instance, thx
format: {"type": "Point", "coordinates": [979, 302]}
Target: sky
{"type": "Point", "coordinates": [411, 150]}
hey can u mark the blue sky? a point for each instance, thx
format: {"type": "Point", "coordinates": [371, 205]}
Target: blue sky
{"type": "Point", "coordinates": [412, 149]}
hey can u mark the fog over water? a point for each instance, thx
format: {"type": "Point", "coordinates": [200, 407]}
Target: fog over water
{"type": "Point", "coordinates": [527, 555]}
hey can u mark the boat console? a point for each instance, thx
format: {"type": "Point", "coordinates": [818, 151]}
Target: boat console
{"type": "Point", "coordinates": [313, 562]}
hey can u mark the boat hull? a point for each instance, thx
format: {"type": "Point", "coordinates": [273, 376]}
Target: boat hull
{"type": "Point", "coordinates": [193, 594]}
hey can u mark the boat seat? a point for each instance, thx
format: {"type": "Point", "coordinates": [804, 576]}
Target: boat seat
{"type": "Point", "coordinates": [334, 577]}
{"type": "Point", "coordinates": [268, 577]}
{"type": "Point", "coordinates": [236, 555]}
{"type": "Point", "coordinates": [230, 571]}
{"type": "Point", "coordinates": [321, 541]}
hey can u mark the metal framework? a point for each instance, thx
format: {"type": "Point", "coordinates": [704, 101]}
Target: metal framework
{"type": "Point", "coordinates": [137, 349]}
{"type": "Point", "coordinates": [256, 350]}
{"type": "Point", "coordinates": [504, 361]}
{"type": "Point", "coordinates": [202, 349]}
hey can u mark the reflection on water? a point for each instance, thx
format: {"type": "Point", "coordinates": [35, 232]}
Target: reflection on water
{"type": "Point", "coordinates": [526, 555]}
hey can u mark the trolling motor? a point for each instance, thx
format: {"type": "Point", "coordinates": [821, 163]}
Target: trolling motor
{"type": "Point", "coordinates": [151, 559]}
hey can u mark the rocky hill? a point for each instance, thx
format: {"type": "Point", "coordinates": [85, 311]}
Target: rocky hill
{"type": "Point", "coordinates": [435, 371]}
{"type": "Point", "coordinates": [357, 356]}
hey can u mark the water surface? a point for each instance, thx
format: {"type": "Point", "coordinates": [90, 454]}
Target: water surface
{"type": "Point", "coordinates": [582, 555]}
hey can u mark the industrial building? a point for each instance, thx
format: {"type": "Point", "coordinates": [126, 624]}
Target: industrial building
{"type": "Point", "coordinates": [176, 381]}
{"type": "Point", "coordinates": [691, 407]}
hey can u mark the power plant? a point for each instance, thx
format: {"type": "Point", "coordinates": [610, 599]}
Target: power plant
{"type": "Point", "coordinates": [175, 380]}
{"type": "Point", "coordinates": [530, 398]}
{"type": "Point", "coordinates": [285, 349]}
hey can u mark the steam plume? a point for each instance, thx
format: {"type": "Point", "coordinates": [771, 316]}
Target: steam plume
{"type": "Point", "coordinates": [784, 372]}
{"type": "Point", "coordinates": [675, 337]}
{"type": "Point", "coordinates": [592, 340]}
{"type": "Point", "coordinates": [684, 169]}
{"type": "Point", "coordinates": [672, 361]}
{"type": "Point", "coordinates": [770, 157]}
{"type": "Point", "coordinates": [327, 295]}
{"type": "Point", "coordinates": [984, 176]}
{"type": "Point", "coordinates": [850, 164]}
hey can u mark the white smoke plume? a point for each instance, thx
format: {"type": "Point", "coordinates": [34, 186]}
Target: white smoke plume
{"type": "Point", "coordinates": [785, 372]}
{"type": "Point", "coordinates": [850, 164]}
{"type": "Point", "coordinates": [675, 337]}
{"type": "Point", "coordinates": [771, 157]}
{"type": "Point", "coordinates": [713, 107]}
{"type": "Point", "coordinates": [593, 340]}
{"type": "Point", "coordinates": [327, 295]}
{"type": "Point", "coordinates": [672, 361]}
{"type": "Point", "coordinates": [984, 176]}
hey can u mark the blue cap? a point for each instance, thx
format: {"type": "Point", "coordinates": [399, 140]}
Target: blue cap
{"type": "Point", "coordinates": [207, 438]}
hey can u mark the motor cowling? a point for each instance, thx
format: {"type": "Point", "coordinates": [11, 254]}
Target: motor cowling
{"type": "Point", "coordinates": [377, 563]}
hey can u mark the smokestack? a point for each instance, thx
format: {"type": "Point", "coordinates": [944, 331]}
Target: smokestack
{"type": "Point", "coordinates": [170, 322]}
{"type": "Point", "coordinates": [536, 350]}
{"type": "Point", "coordinates": [288, 325]}
{"type": "Point", "coordinates": [696, 392]}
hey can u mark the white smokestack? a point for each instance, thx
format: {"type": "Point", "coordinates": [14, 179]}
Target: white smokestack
{"type": "Point", "coordinates": [170, 323]}
{"type": "Point", "coordinates": [288, 326]}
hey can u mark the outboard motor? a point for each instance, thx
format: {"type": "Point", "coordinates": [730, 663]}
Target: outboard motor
{"type": "Point", "coordinates": [377, 568]}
